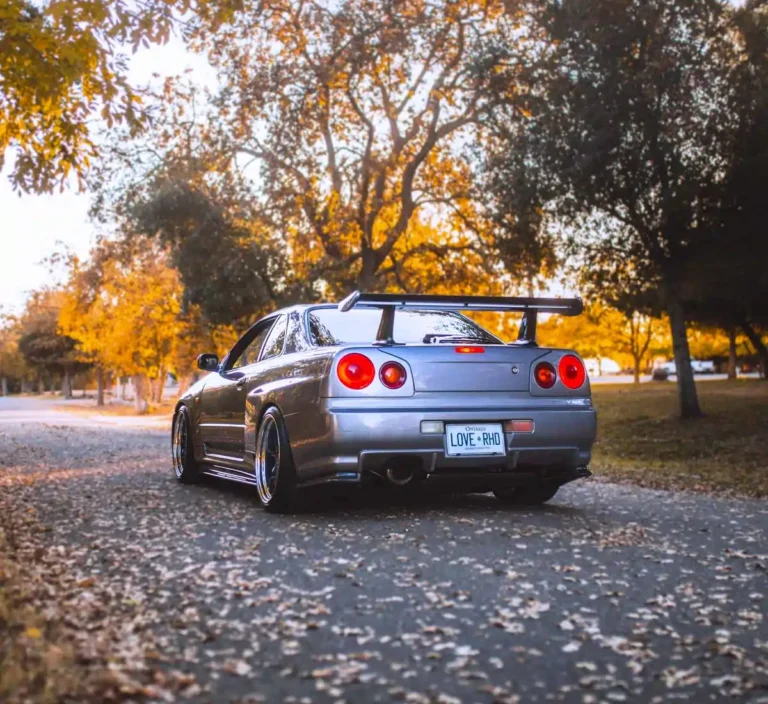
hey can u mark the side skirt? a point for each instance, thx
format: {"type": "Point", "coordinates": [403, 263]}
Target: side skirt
{"type": "Point", "coordinates": [229, 475]}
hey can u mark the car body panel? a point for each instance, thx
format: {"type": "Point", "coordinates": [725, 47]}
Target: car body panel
{"type": "Point", "coordinates": [440, 368]}
{"type": "Point", "coordinates": [563, 434]}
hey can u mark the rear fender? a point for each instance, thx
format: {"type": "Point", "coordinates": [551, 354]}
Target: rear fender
{"type": "Point", "coordinates": [293, 387]}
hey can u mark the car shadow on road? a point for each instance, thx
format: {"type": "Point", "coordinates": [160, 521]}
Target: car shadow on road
{"type": "Point", "coordinates": [370, 502]}
{"type": "Point", "coordinates": [366, 502]}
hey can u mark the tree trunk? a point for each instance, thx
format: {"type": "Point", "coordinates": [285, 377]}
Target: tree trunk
{"type": "Point", "coordinates": [160, 384]}
{"type": "Point", "coordinates": [66, 385]}
{"type": "Point", "coordinates": [140, 392]}
{"type": "Point", "coordinates": [5, 385]}
{"type": "Point", "coordinates": [99, 386]}
{"type": "Point", "coordinates": [40, 384]}
{"type": "Point", "coordinates": [760, 348]}
{"type": "Point", "coordinates": [686, 386]}
{"type": "Point", "coordinates": [731, 352]}
{"type": "Point", "coordinates": [123, 389]}
{"type": "Point", "coordinates": [366, 279]}
{"type": "Point", "coordinates": [638, 362]}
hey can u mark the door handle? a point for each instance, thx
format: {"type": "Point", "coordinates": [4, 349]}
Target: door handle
{"type": "Point", "coordinates": [241, 383]}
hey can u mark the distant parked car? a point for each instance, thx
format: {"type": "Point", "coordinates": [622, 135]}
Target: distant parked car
{"type": "Point", "coordinates": [604, 365]}
{"type": "Point", "coordinates": [699, 366]}
{"type": "Point", "coordinates": [660, 374]}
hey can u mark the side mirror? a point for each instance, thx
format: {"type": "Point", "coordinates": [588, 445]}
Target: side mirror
{"type": "Point", "coordinates": [208, 362]}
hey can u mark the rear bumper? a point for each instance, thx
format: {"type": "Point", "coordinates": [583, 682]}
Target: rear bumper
{"type": "Point", "coordinates": [344, 442]}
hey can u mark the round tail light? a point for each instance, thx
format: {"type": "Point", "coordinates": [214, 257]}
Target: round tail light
{"type": "Point", "coordinates": [571, 371]}
{"type": "Point", "coordinates": [545, 375]}
{"type": "Point", "coordinates": [392, 375]}
{"type": "Point", "coordinates": [355, 371]}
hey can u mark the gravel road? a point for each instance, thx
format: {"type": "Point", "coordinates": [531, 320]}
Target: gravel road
{"type": "Point", "coordinates": [608, 594]}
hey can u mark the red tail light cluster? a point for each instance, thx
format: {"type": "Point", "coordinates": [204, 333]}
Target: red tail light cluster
{"type": "Point", "coordinates": [571, 371]}
{"type": "Point", "coordinates": [392, 375]}
{"type": "Point", "coordinates": [356, 371]}
{"type": "Point", "coordinates": [545, 375]}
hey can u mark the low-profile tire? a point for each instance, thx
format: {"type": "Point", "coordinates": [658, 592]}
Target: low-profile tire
{"type": "Point", "coordinates": [273, 466]}
{"type": "Point", "coordinates": [527, 495]}
{"type": "Point", "coordinates": [183, 449]}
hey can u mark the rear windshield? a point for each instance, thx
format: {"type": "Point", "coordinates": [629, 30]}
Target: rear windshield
{"type": "Point", "coordinates": [329, 327]}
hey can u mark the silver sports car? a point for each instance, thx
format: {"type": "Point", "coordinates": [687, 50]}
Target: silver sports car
{"type": "Point", "coordinates": [396, 389]}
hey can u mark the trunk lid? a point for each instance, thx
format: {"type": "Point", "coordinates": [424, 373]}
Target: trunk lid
{"type": "Point", "coordinates": [440, 367]}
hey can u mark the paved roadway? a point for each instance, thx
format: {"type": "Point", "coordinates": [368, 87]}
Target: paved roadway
{"type": "Point", "coordinates": [608, 594]}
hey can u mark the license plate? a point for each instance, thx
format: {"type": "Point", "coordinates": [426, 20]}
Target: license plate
{"type": "Point", "coordinates": [474, 439]}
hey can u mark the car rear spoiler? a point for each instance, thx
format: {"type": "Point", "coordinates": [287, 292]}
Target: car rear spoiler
{"type": "Point", "coordinates": [529, 306]}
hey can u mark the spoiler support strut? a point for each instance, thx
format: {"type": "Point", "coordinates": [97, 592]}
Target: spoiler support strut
{"type": "Point", "coordinates": [526, 335]}
{"type": "Point", "coordinates": [529, 306]}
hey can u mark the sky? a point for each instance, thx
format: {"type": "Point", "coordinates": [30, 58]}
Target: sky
{"type": "Point", "coordinates": [32, 226]}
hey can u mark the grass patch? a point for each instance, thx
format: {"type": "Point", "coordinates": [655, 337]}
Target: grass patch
{"type": "Point", "coordinates": [641, 439]}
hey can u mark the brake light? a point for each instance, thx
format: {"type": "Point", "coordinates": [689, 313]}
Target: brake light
{"type": "Point", "coordinates": [355, 371]}
{"type": "Point", "coordinates": [571, 371]}
{"type": "Point", "coordinates": [392, 375]}
{"type": "Point", "coordinates": [470, 350]}
{"type": "Point", "coordinates": [545, 375]}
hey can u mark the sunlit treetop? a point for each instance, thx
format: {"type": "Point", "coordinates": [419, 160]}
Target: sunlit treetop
{"type": "Point", "coordinates": [62, 66]}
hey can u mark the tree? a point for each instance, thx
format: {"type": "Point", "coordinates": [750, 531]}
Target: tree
{"type": "Point", "coordinates": [132, 325]}
{"type": "Point", "coordinates": [630, 122]}
{"type": "Point", "coordinates": [634, 337]}
{"type": "Point", "coordinates": [230, 265]}
{"type": "Point", "coordinates": [523, 241]}
{"type": "Point", "coordinates": [60, 68]}
{"type": "Point", "coordinates": [175, 185]}
{"type": "Point", "coordinates": [732, 289]}
{"type": "Point", "coordinates": [358, 115]}
{"type": "Point", "coordinates": [12, 367]}
{"type": "Point", "coordinates": [583, 333]}
{"type": "Point", "coordinates": [80, 316]}
{"type": "Point", "coordinates": [42, 345]}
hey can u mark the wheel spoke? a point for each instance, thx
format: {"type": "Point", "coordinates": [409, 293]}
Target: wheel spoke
{"type": "Point", "coordinates": [179, 444]}
{"type": "Point", "coordinates": [267, 459]}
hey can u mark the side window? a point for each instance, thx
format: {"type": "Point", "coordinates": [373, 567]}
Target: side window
{"type": "Point", "coordinates": [273, 347]}
{"type": "Point", "coordinates": [295, 341]}
{"type": "Point", "coordinates": [250, 354]}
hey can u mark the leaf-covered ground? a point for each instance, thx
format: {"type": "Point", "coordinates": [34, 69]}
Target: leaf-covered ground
{"type": "Point", "coordinates": [192, 593]}
{"type": "Point", "coordinates": [641, 440]}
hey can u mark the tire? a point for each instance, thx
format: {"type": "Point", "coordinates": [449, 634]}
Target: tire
{"type": "Point", "coordinates": [183, 449]}
{"type": "Point", "coordinates": [273, 466]}
{"type": "Point", "coordinates": [527, 495]}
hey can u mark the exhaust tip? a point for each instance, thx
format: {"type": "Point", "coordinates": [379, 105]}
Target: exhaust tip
{"type": "Point", "coordinates": [399, 475]}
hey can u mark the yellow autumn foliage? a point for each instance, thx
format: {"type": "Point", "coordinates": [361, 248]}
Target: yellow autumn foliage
{"type": "Point", "coordinates": [130, 323]}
